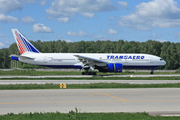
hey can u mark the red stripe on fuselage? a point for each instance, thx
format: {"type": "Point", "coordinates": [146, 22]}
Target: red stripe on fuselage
{"type": "Point", "coordinates": [20, 45]}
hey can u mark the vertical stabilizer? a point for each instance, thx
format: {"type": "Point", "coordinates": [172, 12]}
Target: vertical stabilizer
{"type": "Point", "coordinates": [23, 44]}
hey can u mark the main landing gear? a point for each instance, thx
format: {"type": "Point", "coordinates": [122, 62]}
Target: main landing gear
{"type": "Point", "coordinates": [88, 73]}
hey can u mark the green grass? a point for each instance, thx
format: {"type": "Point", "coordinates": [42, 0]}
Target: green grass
{"type": "Point", "coordinates": [37, 73]}
{"type": "Point", "coordinates": [72, 115]}
{"type": "Point", "coordinates": [121, 85]}
{"type": "Point", "coordinates": [87, 86]}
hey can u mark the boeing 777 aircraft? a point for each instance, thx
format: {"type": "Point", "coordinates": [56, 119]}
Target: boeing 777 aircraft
{"type": "Point", "coordinates": [104, 62]}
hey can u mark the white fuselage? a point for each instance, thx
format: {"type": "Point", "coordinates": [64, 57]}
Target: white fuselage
{"type": "Point", "coordinates": [88, 61]}
{"type": "Point", "coordinates": [68, 60]}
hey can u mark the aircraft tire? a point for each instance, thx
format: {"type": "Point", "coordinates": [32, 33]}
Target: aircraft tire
{"type": "Point", "coordinates": [90, 73]}
{"type": "Point", "coordinates": [86, 73]}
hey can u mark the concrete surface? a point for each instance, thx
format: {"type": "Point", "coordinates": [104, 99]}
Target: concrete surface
{"type": "Point", "coordinates": [153, 100]}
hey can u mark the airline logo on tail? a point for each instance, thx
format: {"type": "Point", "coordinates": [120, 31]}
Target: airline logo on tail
{"type": "Point", "coordinates": [23, 44]}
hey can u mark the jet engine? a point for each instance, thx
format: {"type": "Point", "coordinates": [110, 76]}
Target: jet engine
{"type": "Point", "coordinates": [111, 67]}
{"type": "Point", "coordinates": [115, 67]}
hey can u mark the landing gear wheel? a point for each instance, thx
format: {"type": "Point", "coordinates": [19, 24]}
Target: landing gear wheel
{"type": "Point", "coordinates": [152, 73]}
{"type": "Point", "coordinates": [90, 73]}
{"type": "Point", "coordinates": [87, 73]}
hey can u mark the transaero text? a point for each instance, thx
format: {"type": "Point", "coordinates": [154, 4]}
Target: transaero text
{"type": "Point", "coordinates": [124, 57]}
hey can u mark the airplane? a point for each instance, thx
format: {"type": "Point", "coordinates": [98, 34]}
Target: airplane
{"type": "Point", "coordinates": [104, 62]}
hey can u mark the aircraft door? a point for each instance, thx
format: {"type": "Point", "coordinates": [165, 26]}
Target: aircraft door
{"type": "Point", "coordinates": [45, 59]}
{"type": "Point", "coordinates": [151, 60]}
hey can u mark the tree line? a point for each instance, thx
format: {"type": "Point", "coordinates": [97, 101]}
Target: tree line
{"type": "Point", "coordinates": [169, 51]}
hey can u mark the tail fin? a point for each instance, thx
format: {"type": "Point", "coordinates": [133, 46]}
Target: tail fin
{"type": "Point", "coordinates": [23, 44]}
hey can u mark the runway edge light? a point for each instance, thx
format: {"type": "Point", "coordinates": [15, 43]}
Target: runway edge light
{"type": "Point", "coordinates": [62, 85]}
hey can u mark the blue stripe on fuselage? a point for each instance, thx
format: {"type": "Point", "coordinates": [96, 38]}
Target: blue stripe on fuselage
{"type": "Point", "coordinates": [80, 67]}
{"type": "Point", "coordinates": [64, 66]}
{"type": "Point", "coordinates": [140, 67]}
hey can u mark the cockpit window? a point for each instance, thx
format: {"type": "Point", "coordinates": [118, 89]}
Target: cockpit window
{"type": "Point", "coordinates": [161, 59]}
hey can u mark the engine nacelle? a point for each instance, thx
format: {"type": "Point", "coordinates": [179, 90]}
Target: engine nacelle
{"type": "Point", "coordinates": [115, 67]}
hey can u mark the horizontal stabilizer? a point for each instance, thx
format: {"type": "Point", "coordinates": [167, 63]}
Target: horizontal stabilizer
{"type": "Point", "coordinates": [17, 57]}
{"type": "Point", "coordinates": [14, 58]}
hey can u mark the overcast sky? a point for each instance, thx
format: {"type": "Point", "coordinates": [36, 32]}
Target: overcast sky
{"type": "Point", "coordinates": [90, 20]}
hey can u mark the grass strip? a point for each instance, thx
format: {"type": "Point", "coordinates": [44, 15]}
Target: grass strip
{"type": "Point", "coordinates": [121, 85]}
{"type": "Point", "coordinates": [33, 72]}
{"type": "Point", "coordinates": [87, 86]}
{"type": "Point", "coordinates": [85, 116]}
{"type": "Point", "coordinates": [97, 78]}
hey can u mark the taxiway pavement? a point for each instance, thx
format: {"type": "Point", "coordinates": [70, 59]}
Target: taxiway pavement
{"type": "Point", "coordinates": [90, 100]}
{"type": "Point", "coordinates": [8, 82]}
{"type": "Point", "coordinates": [84, 76]}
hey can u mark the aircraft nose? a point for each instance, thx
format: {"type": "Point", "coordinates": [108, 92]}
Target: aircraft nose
{"type": "Point", "coordinates": [164, 62]}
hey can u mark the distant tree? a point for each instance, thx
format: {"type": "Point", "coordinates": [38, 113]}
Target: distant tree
{"type": "Point", "coordinates": [151, 47]}
{"type": "Point", "coordinates": [118, 46]}
{"type": "Point", "coordinates": [107, 46]}
{"type": "Point", "coordinates": [178, 52]}
{"type": "Point", "coordinates": [169, 54]}
{"type": "Point", "coordinates": [13, 49]}
{"type": "Point", "coordinates": [4, 58]}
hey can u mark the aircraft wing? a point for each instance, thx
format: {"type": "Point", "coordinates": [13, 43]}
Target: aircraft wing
{"type": "Point", "coordinates": [87, 61]}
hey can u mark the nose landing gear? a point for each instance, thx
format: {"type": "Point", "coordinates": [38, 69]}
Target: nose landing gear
{"type": "Point", "coordinates": [152, 72]}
